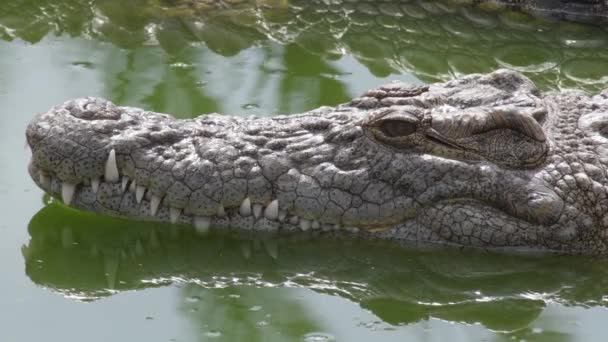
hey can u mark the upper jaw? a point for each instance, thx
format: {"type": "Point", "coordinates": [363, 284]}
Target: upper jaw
{"type": "Point", "coordinates": [90, 153]}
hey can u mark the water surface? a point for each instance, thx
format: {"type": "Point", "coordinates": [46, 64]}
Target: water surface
{"type": "Point", "coordinates": [70, 276]}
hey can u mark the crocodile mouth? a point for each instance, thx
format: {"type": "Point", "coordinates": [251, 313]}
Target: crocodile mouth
{"type": "Point", "coordinates": [122, 197]}
{"type": "Point", "coordinates": [117, 194]}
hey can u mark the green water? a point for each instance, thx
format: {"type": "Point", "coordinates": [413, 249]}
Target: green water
{"type": "Point", "coordinates": [69, 276]}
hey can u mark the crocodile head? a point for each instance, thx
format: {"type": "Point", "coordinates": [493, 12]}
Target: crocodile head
{"type": "Point", "coordinates": [484, 160]}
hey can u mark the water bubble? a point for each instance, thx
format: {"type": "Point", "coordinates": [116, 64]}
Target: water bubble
{"type": "Point", "coordinates": [318, 337]}
{"type": "Point", "coordinates": [83, 64]}
{"type": "Point", "coordinates": [537, 330]}
{"type": "Point", "coordinates": [180, 65]}
{"type": "Point", "coordinates": [250, 106]}
{"type": "Point", "coordinates": [255, 308]}
{"type": "Point", "coordinates": [193, 299]}
{"type": "Point", "coordinates": [213, 334]}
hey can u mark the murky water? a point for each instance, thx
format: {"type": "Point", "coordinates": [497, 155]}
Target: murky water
{"type": "Point", "coordinates": [69, 276]}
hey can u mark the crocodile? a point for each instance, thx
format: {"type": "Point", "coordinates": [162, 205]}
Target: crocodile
{"type": "Point", "coordinates": [485, 161]}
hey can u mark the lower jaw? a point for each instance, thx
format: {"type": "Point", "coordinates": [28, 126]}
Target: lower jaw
{"type": "Point", "coordinates": [111, 200]}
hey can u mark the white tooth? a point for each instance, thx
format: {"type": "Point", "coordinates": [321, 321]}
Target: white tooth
{"type": "Point", "coordinates": [245, 209]}
{"type": "Point", "coordinates": [305, 224]}
{"type": "Point", "coordinates": [257, 210]}
{"type": "Point", "coordinates": [272, 210]}
{"type": "Point", "coordinates": [220, 211]}
{"type": "Point", "coordinates": [326, 227]}
{"type": "Point", "coordinates": [202, 223]}
{"type": "Point", "coordinates": [174, 214]}
{"type": "Point", "coordinates": [111, 174]}
{"type": "Point", "coordinates": [132, 186]}
{"type": "Point", "coordinates": [125, 181]}
{"type": "Point", "coordinates": [272, 248]}
{"type": "Point", "coordinates": [293, 220]}
{"type": "Point", "coordinates": [139, 193]}
{"type": "Point", "coordinates": [316, 224]}
{"type": "Point", "coordinates": [67, 192]}
{"type": "Point", "coordinates": [154, 203]}
{"type": "Point", "coordinates": [282, 215]}
{"type": "Point", "coordinates": [337, 226]}
{"type": "Point", "coordinates": [95, 184]}
{"type": "Point", "coordinates": [45, 180]}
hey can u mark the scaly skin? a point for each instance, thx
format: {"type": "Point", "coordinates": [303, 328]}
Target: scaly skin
{"type": "Point", "coordinates": [483, 161]}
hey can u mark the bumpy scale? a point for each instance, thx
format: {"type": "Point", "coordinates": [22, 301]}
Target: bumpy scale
{"type": "Point", "coordinates": [483, 161]}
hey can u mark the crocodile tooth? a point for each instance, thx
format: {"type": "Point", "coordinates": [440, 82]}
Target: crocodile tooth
{"type": "Point", "coordinates": [272, 210]}
{"type": "Point", "coordinates": [257, 210]}
{"type": "Point", "coordinates": [337, 226]}
{"type": "Point", "coordinates": [272, 248]}
{"type": "Point", "coordinates": [220, 211]}
{"type": "Point", "coordinates": [305, 224]}
{"type": "Point", "coordinates": [316, 224]}
{"type": "Point", "coordinates": [111, 174]}
{"type": "Point", "coordinates": [45, 180]}
{"type": "Point", "coordinates": [67, 192]}
{"type": "Point", "coordinates": [139, 193]}
{"type": "Point", "coordinates": [201, 224]}
{"type": "Point", "coordinates": [154, 203]}
{"type": "Point", "coordinates": [125, 182]}
{"type": "Point", "coordinates": [132, 186]}
{"type": "Point", "coordinates": [282, 216]}
{"type": "Point", "coordinates": [245, 209]}
{"type": "Point", "coordinates": [293, 220]}
{"type": "Point", "coordinates": [174, 214]}
{"type": "Point", "coordinates": [326, 227]}
{"type": "Point", "coordinates": [95, 184]}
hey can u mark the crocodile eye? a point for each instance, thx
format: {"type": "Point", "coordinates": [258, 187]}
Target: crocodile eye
{"type": "Point", "coordinates": [397, 128]}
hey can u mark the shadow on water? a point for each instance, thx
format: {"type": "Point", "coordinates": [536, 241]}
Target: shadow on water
{"type": "Point", "coordinates": [434, 40]}
{"type": "Point", "coordinates": [86, 257]}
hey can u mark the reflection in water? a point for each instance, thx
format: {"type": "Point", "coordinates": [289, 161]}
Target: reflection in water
{"type": "Point", "coordinates": [244, 313]}
{"type": "Point", "coordinates": [88, 257]}
{"type": "Point", "coordinates": [432, 40]}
